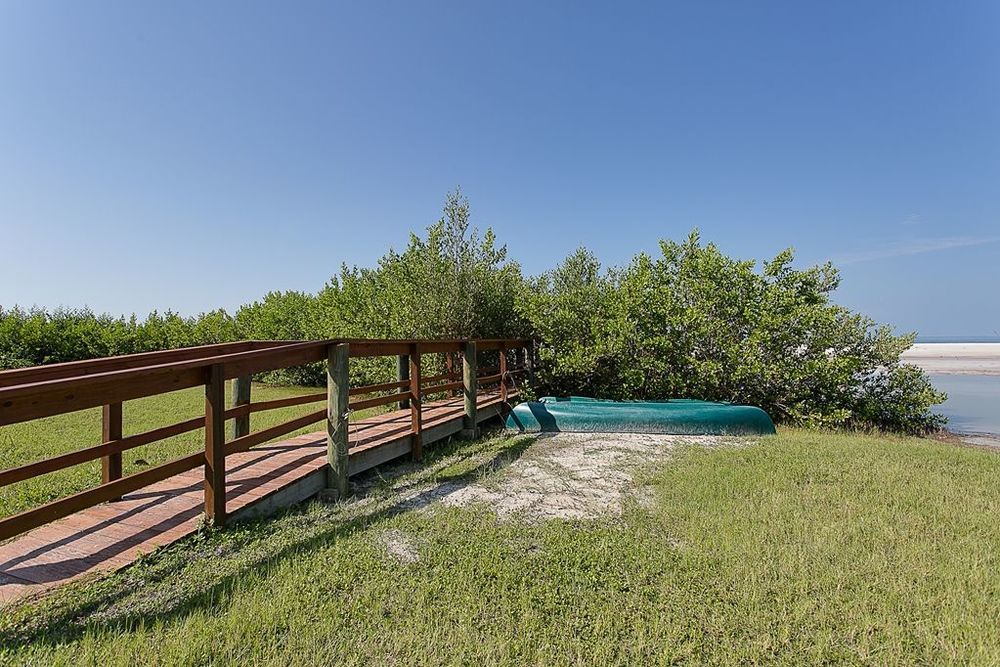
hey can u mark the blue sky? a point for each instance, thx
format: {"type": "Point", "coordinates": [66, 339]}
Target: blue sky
{"type": "Point", "coordinates": [191, 155]}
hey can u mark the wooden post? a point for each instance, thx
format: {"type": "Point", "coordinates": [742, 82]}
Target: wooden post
{"type": "Point", "coordinates": [416, 419]}
{"type": "Point", "coordinates": [111, 430]}
{"type": "Point", "coordinates": [529, 362]}
{"type": "Point", "coordinates": [215, 446]}
{"type": "Point", "coordinates": [503, 373]}
{"type": "Point", "coordinates": [470, 427]}
{"type": "Point", "coordinates": [449, 363]}
{"type": "Point", "coordinates": [337, 416]}
{"type": "Point", "coordinates": [516, 379]}
{"type": "Point", "coordinates": [241, 396]}
{"type": "Point", "coordinates": [403, 373]}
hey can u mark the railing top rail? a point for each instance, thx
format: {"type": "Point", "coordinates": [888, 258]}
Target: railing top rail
{"type": "Point", "coordinates": [51, 397]}
{"type": "Point", "coordinates": [45, 391]}
{"type": "Point", "coordinates": [36, 392]}
{"type": "Point", "coordinates": [30, 374]}
{"type": "Point", "coordinates": [209, 354]}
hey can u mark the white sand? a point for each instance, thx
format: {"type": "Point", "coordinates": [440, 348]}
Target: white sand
{"type": "Point", "coordinates": [956, 358]}
{"type": "Point", "coordinates": [398, 546]}
{"type": "Point", "coordinates": [563, 476]}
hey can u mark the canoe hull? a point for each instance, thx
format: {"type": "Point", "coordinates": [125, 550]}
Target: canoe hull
{"type": "Point", "coordinates": [678, 417]}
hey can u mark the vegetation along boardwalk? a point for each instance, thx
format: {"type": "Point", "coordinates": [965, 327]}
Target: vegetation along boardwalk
{"type": "Point", "coordinates": [248, 473]}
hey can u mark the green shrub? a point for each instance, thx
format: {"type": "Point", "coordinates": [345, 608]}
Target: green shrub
{"type": "Point", "coordinates": [690, 322]}
{"type": "Point", "coordinates": [696, 323]}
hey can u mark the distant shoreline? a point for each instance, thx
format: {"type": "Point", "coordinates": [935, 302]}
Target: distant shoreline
{"type": "Point", "coordinates": [988, 441]}
{"type": "Point", "coordinates": [958, 339]}
{"type": "Point", "coordinates": [955, 358]}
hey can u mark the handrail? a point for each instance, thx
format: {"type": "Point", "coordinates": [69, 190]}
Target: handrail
{"type": "Point", "coordinates": [441, 388]}
{"type": "Point", "coordinates": [437, 378]}
{"type": "Point", "coordinates": [385, 386]}
{"type": "Point", "coordinates": [69, 459]}
{"type": "Point", "coordinates": [32, 393]}
{"type": "Point", "coordinates": [273, 404]}
{"type": "Point", "coordinates": [379, 400]}
{"type": "Point", "coordinates": [124, 362]}
{"type": "Point", "coordinates": [46, 398]}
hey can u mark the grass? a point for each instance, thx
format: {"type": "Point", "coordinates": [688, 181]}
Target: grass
{"type": "Point", "coordinates": [43, 438]}
{"type": "Point", "coordinates": [802, 548]}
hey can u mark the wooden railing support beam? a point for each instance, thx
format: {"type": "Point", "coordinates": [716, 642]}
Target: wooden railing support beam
{"type": "Point", "coordinates": [503, 376]}
{"type": "Point", "coordinates": [470, 427]}
{"type": "Point", "coordinates": [337, 418]}
{"type": "Point", "coordinates": [111, 431]}
{"type": "Point", "coordinates": [416, 418]}
{"type": "Point", "coordinates": [449, 369]}
{"type": "Point", "coordinates": [215, 446]}
{"type": "Point", "coordinates": [241, 396]}
{"type": "Point", "coordinates": [529, 362]}
{"type": "Point", "coordinates": [402, 374]}
{"type": "Point", "coordinates": [48, 391]}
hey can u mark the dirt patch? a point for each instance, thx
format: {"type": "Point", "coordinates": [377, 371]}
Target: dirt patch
{"type": "Point", "coordinates": [563, 476]}
{"type": "Point", "coordinates": [549, 476]}
{"type": "Point", "coordinates": [398, 546]}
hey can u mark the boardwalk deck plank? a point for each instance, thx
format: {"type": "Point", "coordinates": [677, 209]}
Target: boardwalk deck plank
{"type": "Point", "coordinates": [112, 535]}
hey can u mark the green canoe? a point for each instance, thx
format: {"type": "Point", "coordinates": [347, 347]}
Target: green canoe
{"type": "Point", "coordinates": [676, 416]}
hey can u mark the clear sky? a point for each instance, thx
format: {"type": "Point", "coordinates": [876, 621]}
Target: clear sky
{"type": "Point", "coordinates": [191, 155]}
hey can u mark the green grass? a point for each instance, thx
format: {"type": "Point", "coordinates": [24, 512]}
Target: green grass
{"type": "Point", "coordinates": [43, 438]}
{"type": "Point", "coordinates": [803, 548]}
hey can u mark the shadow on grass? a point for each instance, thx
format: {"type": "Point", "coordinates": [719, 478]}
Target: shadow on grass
{"type": "Point", "coordinates": [167, 585]}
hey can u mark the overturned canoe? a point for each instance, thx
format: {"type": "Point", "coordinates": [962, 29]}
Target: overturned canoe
{"type": "Point", "coordinates": [677, 416]}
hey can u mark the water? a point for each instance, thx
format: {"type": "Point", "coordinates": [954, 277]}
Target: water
{"type": "Point", "coordinates": [973, 404]}
{"type": "Point", "coordinates": [959, 339]}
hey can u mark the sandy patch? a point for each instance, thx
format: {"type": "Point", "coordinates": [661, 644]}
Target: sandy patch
{"type": "Point", "coordinates": [981, 440]}
{"type": "Point", "coordinates": [563, 476]}
{"type": "Point", "coordinates": [955, 358]}
{"type": "Point", "coordinates": [398, 546]}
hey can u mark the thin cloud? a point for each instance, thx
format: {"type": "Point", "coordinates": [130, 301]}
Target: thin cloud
{"type": "Point", "coordinates": [915, 247]}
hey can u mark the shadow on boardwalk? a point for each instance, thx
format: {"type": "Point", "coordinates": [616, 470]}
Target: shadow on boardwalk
{"type": "Point", "coordinates": [199, 571]}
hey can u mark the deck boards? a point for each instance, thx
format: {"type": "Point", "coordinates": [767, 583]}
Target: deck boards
{"type": "Point", "coordinates": [112, 535]}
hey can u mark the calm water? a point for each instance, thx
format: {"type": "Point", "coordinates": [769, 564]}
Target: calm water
{"type": "Point", "coordinates": [973, 404]}
{"type": "Point", "coordinates": [958, 339]}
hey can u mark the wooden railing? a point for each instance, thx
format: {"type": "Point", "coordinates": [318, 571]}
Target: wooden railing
{"type": "Point", "coordinates": [44, 391]}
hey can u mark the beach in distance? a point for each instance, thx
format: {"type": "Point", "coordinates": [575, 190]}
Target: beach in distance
{"type": "Point", "coordinates": [970, 374]}
{"type": "Point", "coordinates": [955, 358]}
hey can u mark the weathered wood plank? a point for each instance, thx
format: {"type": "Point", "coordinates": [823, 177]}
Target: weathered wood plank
{"type": "Point", "coordinates": [79, 456]}
{"type": "Point", "coordinates": [241, 396]}
{"type": "Point", "coordinates": [403, 375]}
{"type": "Point", "coordinates": [44, 399]}
{"type": "Point", "coordinates": [111, 432]}
{"type": "Point", "coordinates": [377, 401]}
{"type": "Point", "coordinates": [470, 389]}
{"type": "Point", "coordinates": [417, 448]}
{"type": "Point", "coordinates": [385, 386]}
{"type": "Point", "coordinates": [450, 375]}
{"type": "Point", "coordinates": [270, 433]}
{"type": "Point", "coordinates": [272, 404]}
{"type": "Point", "coordinates": [440, 346]}
{"type": "Point", "coordinates": [503, 373]}
{"type": "Point", "coordinates": [19, 523]}
{"type": "Point", "coordinates": [370, 348]}
{"type": "Point", "coordinates": [85, 367]}
{"type": "Point", "coordinates": [215, 447]}
{"type": "Point", "coordinates": [443, 388]}
{"type": "Point", "coordinates": [338, 415]}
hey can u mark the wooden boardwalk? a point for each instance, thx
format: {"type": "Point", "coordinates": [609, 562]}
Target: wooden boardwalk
{"type": "Point", "coordinates": [112, 535]}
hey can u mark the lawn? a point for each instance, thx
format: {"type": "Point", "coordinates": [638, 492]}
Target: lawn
{"type": "Point", "coordinates": [43, 438]}
{"type": "Point", "coordinates": [806, 547]}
